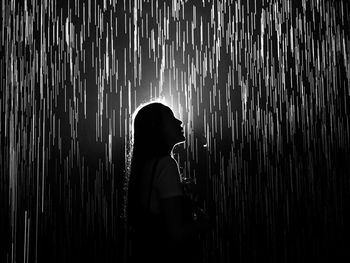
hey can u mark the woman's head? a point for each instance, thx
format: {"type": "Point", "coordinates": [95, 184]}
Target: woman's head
{"type": "Point", "coordinates": [156, 130]}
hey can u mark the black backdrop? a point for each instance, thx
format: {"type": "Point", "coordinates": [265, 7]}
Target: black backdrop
{"type": "Point", "coordinates": [261, 86]}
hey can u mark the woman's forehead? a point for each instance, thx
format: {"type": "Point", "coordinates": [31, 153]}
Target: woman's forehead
{"type": "Point", "coordinates": [167, 110]}
{"type": "Point", "coordinates": [168, 113]}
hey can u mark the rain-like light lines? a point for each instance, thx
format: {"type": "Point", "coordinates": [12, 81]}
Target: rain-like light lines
{"type": "Point", "coordinates": [263, 89]}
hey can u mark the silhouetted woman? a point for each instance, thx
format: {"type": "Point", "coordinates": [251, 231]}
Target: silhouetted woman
{"type": "Point", "coordinates": [156, 209]}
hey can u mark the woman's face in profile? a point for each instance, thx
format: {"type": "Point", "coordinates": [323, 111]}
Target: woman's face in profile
{"type": "Point", "coordinates": [172, 128]}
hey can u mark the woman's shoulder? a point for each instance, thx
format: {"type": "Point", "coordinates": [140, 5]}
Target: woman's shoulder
{"type": "Point", "coordinates": [167, 162]}
{"type": "Point", "coordinates": [168, 181]}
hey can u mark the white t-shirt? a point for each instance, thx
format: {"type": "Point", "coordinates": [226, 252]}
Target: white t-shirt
{"type": "Point", "coordinates": [166, 182]}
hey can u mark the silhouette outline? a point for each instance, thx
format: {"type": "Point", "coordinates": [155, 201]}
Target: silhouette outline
{"type": "Point", "coordinates": [158, 210]}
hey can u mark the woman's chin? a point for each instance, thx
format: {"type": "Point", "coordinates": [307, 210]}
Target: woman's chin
{"type": "Point", "coordinates": [183, 138]}
{"type": "Point", "coordinates": [180, 141]}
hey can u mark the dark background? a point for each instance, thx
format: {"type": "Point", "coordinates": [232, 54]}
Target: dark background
{"type": "Point", "coordinates": [261, 86]}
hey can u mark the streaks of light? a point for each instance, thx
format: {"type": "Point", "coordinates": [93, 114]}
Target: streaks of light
{"type": "Point", "coordinates": [270, 102]}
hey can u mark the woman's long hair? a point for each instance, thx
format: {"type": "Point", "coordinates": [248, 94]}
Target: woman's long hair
{"type": "Point", "coordinates": [147, 142]}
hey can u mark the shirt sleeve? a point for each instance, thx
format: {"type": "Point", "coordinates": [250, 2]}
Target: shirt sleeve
{"type": "Point", "coordinates": [168, 183]}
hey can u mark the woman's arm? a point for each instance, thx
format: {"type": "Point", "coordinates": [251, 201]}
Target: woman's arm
{"type": "Point", "coordinates": [172, 203]}
{"type": "Point", "coordinates": [176, 227]}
